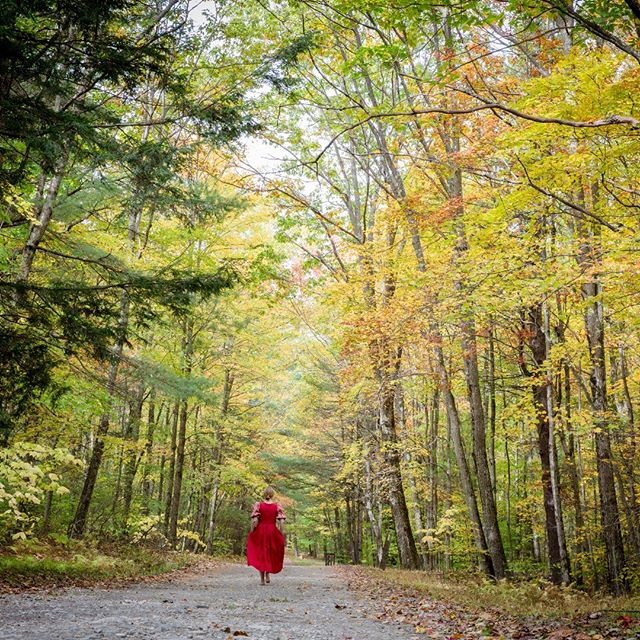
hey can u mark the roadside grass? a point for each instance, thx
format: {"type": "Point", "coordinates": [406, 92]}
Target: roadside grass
{"type": "Point", "coordinates": [537, 599]}
{"type": "Point", "coordinates": [36, 563]}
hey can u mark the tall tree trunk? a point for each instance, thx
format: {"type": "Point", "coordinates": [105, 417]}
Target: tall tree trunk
{"type": "Point", "coordinates": [432, 424]}
{"type": "Point", "coordinates": [187, 349]}
{"type": "Point", "coordinates": [609, 512]}
{"type": "Point", "coordinates": [610, 515]}
{"type": "Point", "coordinates": [178, 474]}
{"type": "Point", "coordinates": [218, 455]}
{"type": "Point", "coordinates": [628, 445]}
{"type": "Point", "coordinates": [491, 405]}
{"type": "Point", "coordinates": [172, 465]}
{"type": "Point", "coordinates": [485, 489]}
{"type": "Point", "coordinates": [484, 557]}
{"type": "Point", "coordinates": [79, 522]}
{"type": "Point", "coordinates": [131, 456]}
{"type": "Point", "coordinates": [397, 500]}
{"type": "Point", "coordinates": [381, 547]}
{"type": "Point", "coordinates": [533, 329]}
{"type": "Point", "coordinates": [147, 483]}
{"type": "Point", "coordinates": [410, 475]}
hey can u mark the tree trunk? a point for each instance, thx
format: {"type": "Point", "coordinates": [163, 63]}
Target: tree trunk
{"type": "Point", "coordinates": [43, 215]}
{"type": "Point", "coordinates": [147, 483]}
{"type": "Point", "coordinates": [178, 475]}
{"type": "Point", "coordinates": [187, 349]}
{"type": "Point", "coordinates": [609, 512]}
{"type": "Point", "coordinates": [381, 548]}
{"type": "Point", "coordinates": [484, 557]}
{"type": "Point", "coordinates": [485, 489]}
{"type": "Point", "coordinates": [131, 456]}
{"type": "Point", "coordinates": [172, 466]}
{"type": "Point", "coordinates": [432, 423]}
{"type": "Point", "coordinates": [610, 515]}
{"type": "Point", "coordinates": [79, 522]}
{"type": "Point", "coordinates": [386, 420]}
{"type": "Point", "coordinates": [533, 329]}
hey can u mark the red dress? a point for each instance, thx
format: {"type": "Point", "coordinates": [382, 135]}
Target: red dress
{"type": "Point", "coordinates": [265, 545]}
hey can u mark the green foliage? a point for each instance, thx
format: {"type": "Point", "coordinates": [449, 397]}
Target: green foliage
{"type": "Point", "coordinates": [28, 472]}
{"type": "Point", "coordinates": [42, 564]}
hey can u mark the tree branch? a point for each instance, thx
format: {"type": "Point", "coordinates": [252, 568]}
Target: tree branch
{"type": "Point", "coordinates": [612, 120]}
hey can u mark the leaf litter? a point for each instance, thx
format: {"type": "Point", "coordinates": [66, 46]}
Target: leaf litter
{"type": "Point", "coordinates": [439, 620]}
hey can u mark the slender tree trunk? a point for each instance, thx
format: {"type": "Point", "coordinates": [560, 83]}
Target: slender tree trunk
{"type": "Point", "coordinates": [386, 420]}
{"type": "Point", "coordinates": [43, 215]}
{"type": "Point", "coordinates": [491, 406]}
{"type": "Point", "coordinates": [432, 420]}
{"type": "Point", "coordinates": [131, 457]}
{"type": "Point", "coordinates": [182, 437]}
{"type": "Point", "coordinates": [484, 557]}
{"type": "Point", "coordinates": [147, 483]}
{"type": "Point", "coordinates": [609, 512]}
{"type": "Point", "coordinates": [554, 472]}
{"type": "Point", "coordinates": [79, 522]}
{"type": "Point", "coordinates": [627, 445]}
{"type": "Point", "coordinates": [410, 476]}
{"type": "Point", "coordinates": [218, 456]}
{"type": "Point", "coordinates": [172, 466]}
{"type": "Point", "coordinates": [485, 489]}
{"type": "Point", "coordinates": [534, 329]}
{"type": "Point", "coordinates": [380, 559]}
{"type": "Point", "coordinates": [178, 474]}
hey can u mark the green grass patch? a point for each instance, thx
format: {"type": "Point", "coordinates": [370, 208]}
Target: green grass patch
{"type": "Point", "coordinates": [519, 599]}
{"type": "Point", "coordinates": [41, 564]}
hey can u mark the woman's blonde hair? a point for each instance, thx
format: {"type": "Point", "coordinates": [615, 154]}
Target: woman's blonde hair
{"type": "Point", "coordinates": [268, 493]}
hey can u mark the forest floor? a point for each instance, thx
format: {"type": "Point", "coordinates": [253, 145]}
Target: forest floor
{"type": "Point", "coordinates": [467, 607]}
{"type": "Point", "coordinates": [304, 602]}
{"type": "Point", "coordinates": [37, 564]}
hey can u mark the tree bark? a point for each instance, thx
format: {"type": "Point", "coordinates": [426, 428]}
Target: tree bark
{"type": "Point", "coordinates": [589, 258]}
{"type": "Point", "coordinates": [610, 515]}
{"type": "Point", "coordinates": [172, 466]}
{"type": "Point", "coordinates": [79, 522]}
{"type": "Point", "coordinates": [178, 474]}
{"type": "Point", "coordinates": [187, 348]}
{"type": "Point", "coordinates": [533, 329]}
{"type": "Point", "coordinates": [131, 456]}
{"type": "Point", "coordinates": [397, 500]}
{"type": "Point", "coordinates": [484, 557]}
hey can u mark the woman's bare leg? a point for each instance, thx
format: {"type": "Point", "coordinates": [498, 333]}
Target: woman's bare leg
{"type": "Point", "coordinates": [262, 577]}
{"type": "Point", "coordinates": [267, 578]}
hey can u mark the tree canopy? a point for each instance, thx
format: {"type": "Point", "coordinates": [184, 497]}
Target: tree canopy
{"type": "Point", "coordinates": [381, 255]}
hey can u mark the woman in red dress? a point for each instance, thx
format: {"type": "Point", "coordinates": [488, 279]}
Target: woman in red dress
{"type": "Point", "coordinates": [265, 545]}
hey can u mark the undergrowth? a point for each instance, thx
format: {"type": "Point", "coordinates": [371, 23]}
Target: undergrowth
{"type": "Point", "coordinates": [522, 599]}
{"type": "Point", "coordinates": [36, 563]}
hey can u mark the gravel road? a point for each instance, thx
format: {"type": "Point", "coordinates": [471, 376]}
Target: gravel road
{"type": "Point", "coordinates": [301, 603]}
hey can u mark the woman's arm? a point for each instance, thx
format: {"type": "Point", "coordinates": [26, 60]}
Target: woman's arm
{"type": "Point", "coordinates": [255, 516]}
{"type": "Point", "coordinates": [280, 518]}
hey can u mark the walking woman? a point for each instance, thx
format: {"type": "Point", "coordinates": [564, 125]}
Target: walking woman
{"type": "Point", "coordinates": [265, 545]}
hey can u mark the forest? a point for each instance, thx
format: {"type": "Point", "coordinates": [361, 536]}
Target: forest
{"type": "Point", "coordinates": [379, 254]}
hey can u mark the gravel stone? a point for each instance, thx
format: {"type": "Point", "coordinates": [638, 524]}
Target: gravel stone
{"type": "Point", "coordinates": [301, 603]}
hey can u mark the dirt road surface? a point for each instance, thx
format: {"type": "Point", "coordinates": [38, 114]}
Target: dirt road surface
{"type": "Point", "coordinates": [301, 603]}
